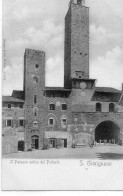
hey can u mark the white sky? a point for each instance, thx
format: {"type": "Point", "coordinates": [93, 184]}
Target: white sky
{"type": "Point", "coordinates": [39, 24]}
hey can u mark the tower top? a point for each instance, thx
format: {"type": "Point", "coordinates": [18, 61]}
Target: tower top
{"type": "Point", "coordinates": [79, 2]}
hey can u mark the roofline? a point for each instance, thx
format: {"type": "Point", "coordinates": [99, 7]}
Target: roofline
{"type": "Point", "coordinates": [56, 89]}
{"type": "Point", "coordinates": [99, 91]}
{"type": "Point", "coordinates": [86, 79]}
{"type": "Point", "coordinates": [16, 100]}
{"type": "Point", "coordinates": [120, 99]}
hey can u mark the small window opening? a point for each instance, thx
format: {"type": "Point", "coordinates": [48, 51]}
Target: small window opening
{"type": "Point", "coordinates": [21, 123]}
{"type": "Point", "coordinates": [9, 123]}
{"type": "Point", "coordinates": [9, 105]}
{"type": "Point", "coordinates": [51, 121]}
{"type": "Point", "coordinates": [52, 106]}
{"type": "Point", "coordinates": [35, 99]}
{"type": "Point", "coordinates": [37, 66]}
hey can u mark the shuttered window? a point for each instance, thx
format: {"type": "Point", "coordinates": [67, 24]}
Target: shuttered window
{"type": "Point", "coordinates": [21, 123]}
{"type": "Point", "coordinates": [9, 123]}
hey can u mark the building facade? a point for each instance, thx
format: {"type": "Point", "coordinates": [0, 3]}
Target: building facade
{"type": "Point", "coordinates": [79, 112]}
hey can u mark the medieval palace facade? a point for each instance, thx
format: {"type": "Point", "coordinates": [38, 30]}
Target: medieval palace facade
{"type": "Point", "coordinates": [79, 112]}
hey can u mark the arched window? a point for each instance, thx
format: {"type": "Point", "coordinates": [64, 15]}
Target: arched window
{"type": "Point", "coordinates": [52, 106]}
{"type": "Point", "coordinates": [98, 107]}
{"type": "Point", "coordinates": [35, 99]}
{"type": "Point", "coordinates": [51, 121]}
{"type": "Point", "coordinates": [64, 106]}
{"type": "Point", "coordinates": [111, 107]}
{"type": "Point", "coordinates": [64, 121]}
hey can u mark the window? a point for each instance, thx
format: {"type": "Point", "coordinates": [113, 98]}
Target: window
{"type": "Point", "coordinates": [52, 106]}
{"type": "Point", "coordinates": [37, 66]}
{"type": "Point", "coordinates": [111, 107]}
{"type": "Point", "coordinates": [98, 107]}
{"type": "Point", "coordinates": [9, 105]}
{"type": "Point", "coordinates": [64, 122]}
{"type": "Point", "coordinates": [64, 106]}
{"type": "Point", "coordinates": [9, 123]}
{"type": "Point", "coordinates": [21, 123]}
{"type": "Point", "coordinates": [21, 105]}
{"type": "Point", "coordinates": [35, 99]}
{"type": "Point", "coordinates": [79, 1]}
{"type": "Point", "coordinates": [51, 121]}
{"type": "Point", "coordinates": [35, 80]}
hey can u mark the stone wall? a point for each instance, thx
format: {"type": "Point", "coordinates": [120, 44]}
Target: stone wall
{"type": "Point", "coordinates": [14, 133]}
{"type": "Point", "coordinates": [67, 50]}
{"type": "Point", "coordinates": [34, 67]}
{"type": "Point", "coordinates": [9, 144]}
{"type": "Point", "coordinates": [58, 113]}
{"type": "Point", "coordinates": [76, 42]}
{"type": "Point", "coordinates": [80, 39]}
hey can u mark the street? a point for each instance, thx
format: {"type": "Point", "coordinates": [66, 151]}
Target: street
{"type": "Point", "coordinates": [96, 152]}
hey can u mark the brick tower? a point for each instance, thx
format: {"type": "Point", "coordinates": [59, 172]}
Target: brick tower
{"type": "Point", "coordinates": [34, 84]}
{"type": "Point", "coordinates": [76, 60]}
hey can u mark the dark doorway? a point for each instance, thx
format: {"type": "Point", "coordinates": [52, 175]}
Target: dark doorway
{"type": "Point", "coordinates": [21, 145]}
{"type": "Point", "coordinates": [107, 131]}
{"type": "Point", "coordinates": [52, 143]}
{"type": "Point", "coordinates": [65, 143]}
{"type": "Point", "coordinates": [35, 142]}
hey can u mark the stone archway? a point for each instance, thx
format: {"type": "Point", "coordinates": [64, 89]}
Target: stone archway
{"type": "Point", "coordinates": [107, 131]}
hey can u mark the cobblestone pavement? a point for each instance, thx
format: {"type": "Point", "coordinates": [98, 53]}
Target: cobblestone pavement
{"type": "Point", "coordinates": [97, 152]}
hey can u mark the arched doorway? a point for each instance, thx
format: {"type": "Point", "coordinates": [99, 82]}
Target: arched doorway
{"type": "Point", "coordinates": [35, 142]}
{"type": "Point", "coordinates": [107, 131]}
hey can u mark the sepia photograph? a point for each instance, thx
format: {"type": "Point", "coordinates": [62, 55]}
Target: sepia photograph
{"type": "Point", "coordinates": [62, 85]}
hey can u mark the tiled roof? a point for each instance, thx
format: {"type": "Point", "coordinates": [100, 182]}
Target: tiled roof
{"type": "Point", "coordinates": [11, 99]}
{"type": "Point", "coordinates": [107, 89]}
{"type": "Point", "coordinates": [56, 89]}
{"type": "Point", "coordinates": [106, 96]}
{"type": "Point", "coordinates": [18, 94]}
{"type": "Point", "coordinates": [83, 79]}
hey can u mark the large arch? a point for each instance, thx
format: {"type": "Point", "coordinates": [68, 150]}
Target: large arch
{"type": "Point", "coordinates": [107, 130]}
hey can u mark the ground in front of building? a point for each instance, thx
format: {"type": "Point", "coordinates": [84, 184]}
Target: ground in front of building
{"type": "Point", "coordinates": [96, 152]}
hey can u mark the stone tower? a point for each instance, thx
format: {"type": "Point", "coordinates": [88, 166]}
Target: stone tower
{"type": "Point", "coordinates": [76, 60]}
{"type": "Point", "coordinates": [34, 84]}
